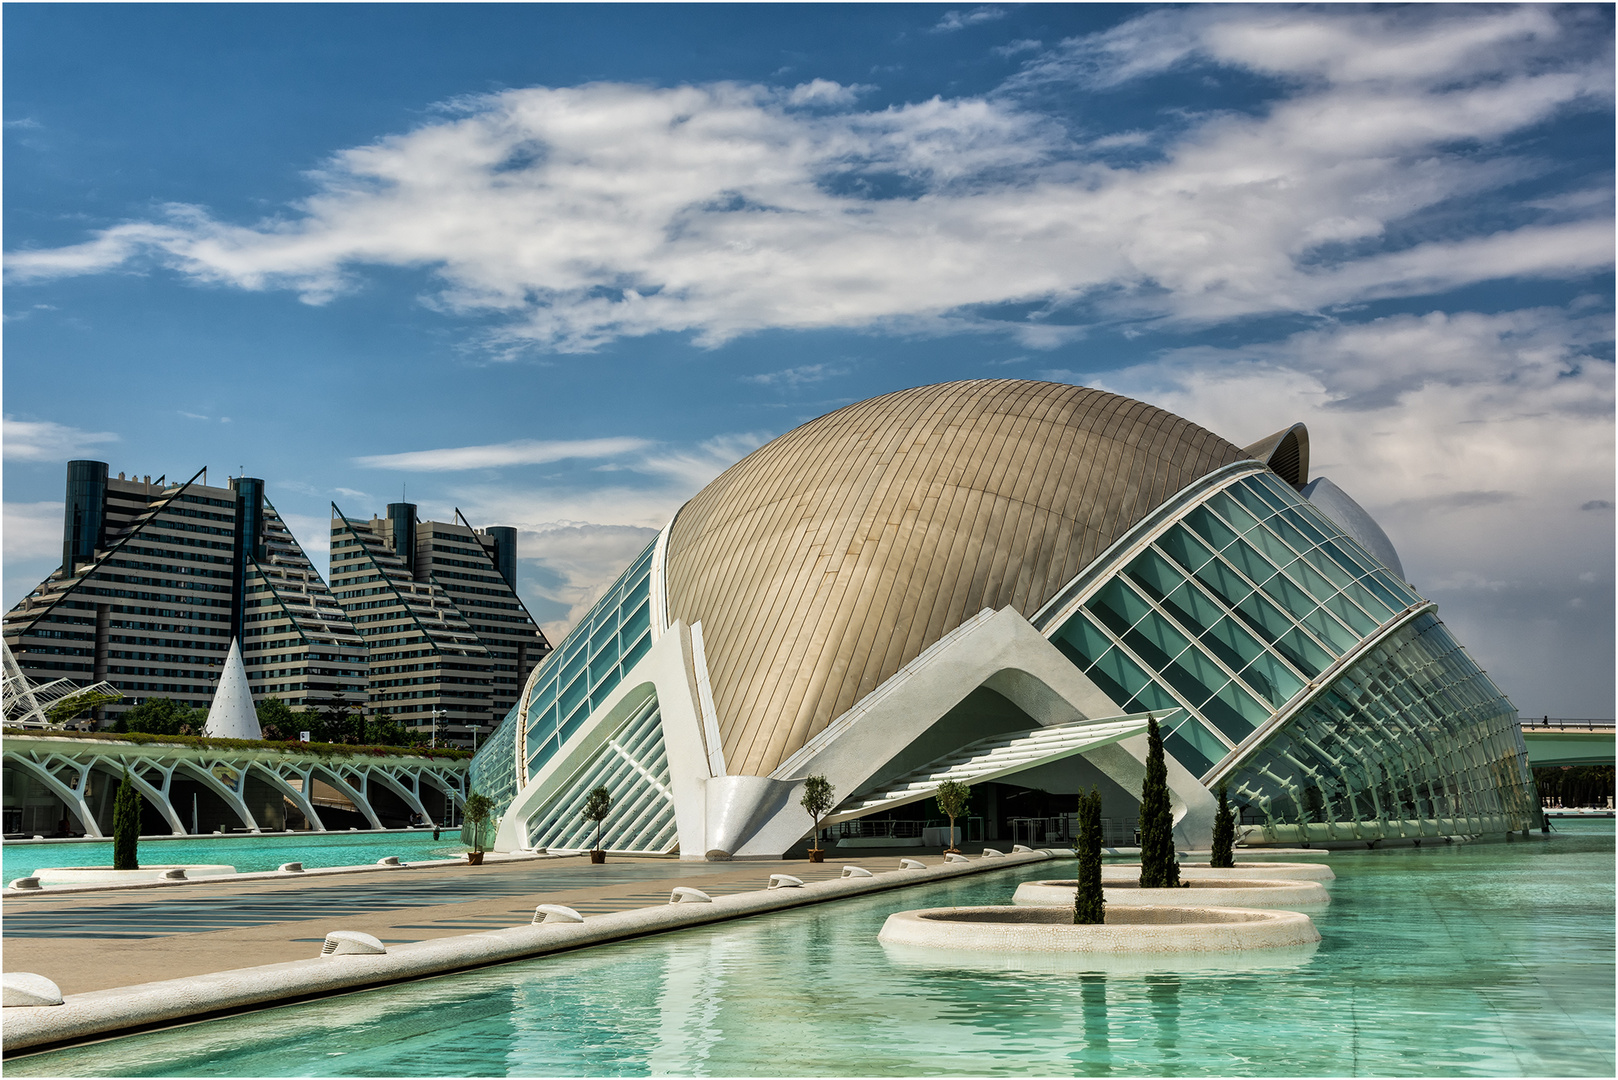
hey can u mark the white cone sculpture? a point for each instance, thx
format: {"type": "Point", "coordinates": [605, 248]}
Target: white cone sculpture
{"type": "Point", "coordinates": [232, 716]}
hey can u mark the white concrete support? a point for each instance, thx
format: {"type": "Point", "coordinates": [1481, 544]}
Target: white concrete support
{"type": "Point", "coordinates": [72, 798]}
{"type": "Point", "coordinates": [667, 671]}
{"type": "Point", "coordinates": [231, 793]}
{"type": "Point", "coordinates": [299, 797]}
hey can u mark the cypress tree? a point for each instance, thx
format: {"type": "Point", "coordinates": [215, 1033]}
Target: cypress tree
{"type": "Point", "coordinates": [125, 825]}
{"type": "Point", "coordinates": [1224, 835]}
{"type": "Point", "coordinates": [1087, 898]}
{"type": "Point", "coordinates": [1158, 870]}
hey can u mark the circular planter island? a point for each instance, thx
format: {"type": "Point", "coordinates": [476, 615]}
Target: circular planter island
{"type": "Point", "coordinates": [1144, 929]}
{"type": "Point", "coordinates": [1209, 892]}
{"type": "Point", "coordinates": [1280, 871]}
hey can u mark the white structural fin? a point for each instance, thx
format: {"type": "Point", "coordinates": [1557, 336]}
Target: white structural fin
{"type": "Point", "coordinates": [232, 716]}
{"type": "Point", "coordinates": [1352, 518]}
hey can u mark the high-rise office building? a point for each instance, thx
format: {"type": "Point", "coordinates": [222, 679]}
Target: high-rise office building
{"type": "Point", "coordinates": [450, 643]}
{"type": "Point", "coordinates": [158, 578]}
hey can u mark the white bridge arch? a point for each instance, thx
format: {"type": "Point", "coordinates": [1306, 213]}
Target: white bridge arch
{"type": "Point", "coordinates": [79, 773]}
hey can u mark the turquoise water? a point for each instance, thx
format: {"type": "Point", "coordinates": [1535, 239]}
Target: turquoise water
{"type": "Point", "coordinates": [246, 853]}
{"type": "Point", "coordinates": [1468, 960]}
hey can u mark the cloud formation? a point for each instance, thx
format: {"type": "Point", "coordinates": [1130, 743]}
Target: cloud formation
{"type": "Point", "coordinates": [517, 452]}
{"type": "Point", "coordinates": [582, 215]}
{"type": "Point", "coordinates": [43, 440]}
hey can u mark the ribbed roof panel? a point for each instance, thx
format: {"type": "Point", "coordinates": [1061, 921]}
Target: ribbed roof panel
{"type": "Point", "coordinates": [829, 558]}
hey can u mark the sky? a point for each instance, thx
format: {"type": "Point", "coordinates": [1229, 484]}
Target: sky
{"type": "Point", "coordinates": [558, 266]}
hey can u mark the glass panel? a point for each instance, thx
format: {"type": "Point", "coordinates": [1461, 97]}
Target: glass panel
{"type": "Point", "coordinates": [1154, 575]}
{"type": "Point", "coordinates": [637, 624]}
{"type": "Point", "coordinates": [1210, 528]}
{"type": "Point", "coordinates": [1120, 677]}
{"type": "Point", "coordinates": [633, 654]}
{"type": "Point", "coordinates": [574, 694]}
{"type": "Point", "coordinates": [1193, 609]}
{"type": "Point", "coordinates": [1190, 673]}
{"type": "Point", "coordinates": [1224, 583]}
{"type": "Point", "coordinates": [1225, 507]}
{"type": "Point", "coordinates": [1269, 487]}
{"type": "Point", "coordinates": [1194, 746]}
{"type": "Point", "coordinates": [1184, 549]}
{"type": "Point", "coordinates": [1304, 654]}
{"type": "Point", "coordinates": [1243, 493]}
{"type": "Point", "coordinates": [1341, 606]}
{"type": "Point", "coordinates": [572, 724]}
{"type": "Point", "coordinates": [1153, 698]}
{"type": "Point", "coordinates": [1085, 640]}
{"type": "Point", "coordinates": [605, 660]}
{"type": "Point", "coordinates": [640, 592]}
{"type": "Point", "coordinates": [1156, 642]}
{"type": "Point", "coordinates": [1235, 646]}
{"type": "Point", "coordinates": [1247, 559]}
{"type": "Point", "coordinates": [575, 663]}
{"type": "Point", "coordinates": [1271, 678]}
{"type": "Point", "coordinates": [1117, 606]}
{"type": "Point", "coordinates": [1379, 584]}
{"type": "Point", "coordinates": [1235, 712]}
{"type": "Point", "coordinates": [606, 631]}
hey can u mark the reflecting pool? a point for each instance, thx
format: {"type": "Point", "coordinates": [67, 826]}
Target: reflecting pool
{"type": "Point", "coordinates": [1459, 960]}
{"type": "Point", "coordinates": [246, 853]}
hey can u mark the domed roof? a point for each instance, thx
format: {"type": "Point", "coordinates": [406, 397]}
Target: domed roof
{"type": "Point", "coordinates": [829, 558]}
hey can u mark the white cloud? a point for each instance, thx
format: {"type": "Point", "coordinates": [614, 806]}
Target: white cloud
{"type": "Point", "coordinates": [958, 20]}
{"type": "Point", "coordinates": [794, 377]}
{"type": "Point", "coordinates": [517, 452]}
{"type": "Point", "coordinates": [33, 531]}
{"type": "Point", "coordinates": [43, 440]}
{"type": "Point", "coordinates": [583, 215]}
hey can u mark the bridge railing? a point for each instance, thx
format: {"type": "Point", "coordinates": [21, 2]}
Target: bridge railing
{"type": "Point", "coordinates": [1552, 723]}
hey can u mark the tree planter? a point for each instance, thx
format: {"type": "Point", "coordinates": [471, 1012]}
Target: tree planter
{"type": "Point", "coordinates": [1146, 929]}
{"type": "Point", "coordinates": [598, 857]}
{"type": "Point", "coordinates": [817, 856]}
{"type": "Point", "coordinates": [1269, 871]}
{"type": "Point", "coordinates": [1203, 892]}
{"type": "Point", "coordinates": [474, 858]}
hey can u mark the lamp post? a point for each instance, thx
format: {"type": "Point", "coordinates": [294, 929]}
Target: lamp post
{"type": "Point", "coordinates": [435, 728]}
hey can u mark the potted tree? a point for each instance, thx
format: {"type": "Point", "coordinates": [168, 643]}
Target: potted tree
{"type": "Point", "coordinates": [953, 799]}
{"type": "Point", "coordinates": [596, 807]}
{"type": "Point", "coordinates": [817, 796]}
{"type": "Point", "coordinates": [478, 806]}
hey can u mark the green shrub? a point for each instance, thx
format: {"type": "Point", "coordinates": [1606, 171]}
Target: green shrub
{"type": "Point", "coordinates": [1158, 869]}
{"type": "Point", "coordinates": [1088, 898]}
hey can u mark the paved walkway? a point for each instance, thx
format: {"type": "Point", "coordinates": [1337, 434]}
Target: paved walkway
{"type": "Point", "coordinates": [99, 941]}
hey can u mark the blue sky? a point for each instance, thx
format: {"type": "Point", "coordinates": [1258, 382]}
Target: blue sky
{"type": "Point", "coordinates": [560, 265]}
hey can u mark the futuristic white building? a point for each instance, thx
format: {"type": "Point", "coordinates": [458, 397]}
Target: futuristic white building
{"type": "Point", "coordinates": [997, 581]}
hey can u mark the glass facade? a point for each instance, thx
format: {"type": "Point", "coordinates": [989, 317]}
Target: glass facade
{"type": "Point", "coordinates": [633, 765]}
{"type": "Point", "coordinates": [1229, 613]}
{"type": "Point", "coordinates": [494, 768]}
{"type": "Point", "coordinates": [575, 679]}
{"type": "Point", "coordinates": [1413, 740]}
{"type": "Point", "coordinates": [1233, 612]}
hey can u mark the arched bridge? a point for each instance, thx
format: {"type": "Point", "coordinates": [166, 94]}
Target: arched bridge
{"type": "Point", "coordinates": [59, 785]}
